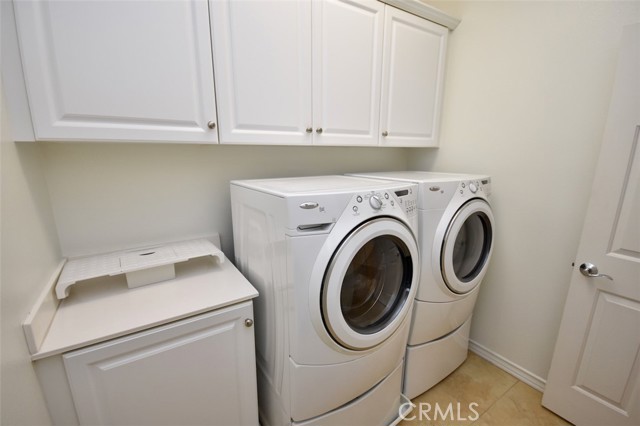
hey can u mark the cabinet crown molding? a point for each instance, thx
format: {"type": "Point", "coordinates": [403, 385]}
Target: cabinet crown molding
{"type": "Point", "coordinates": [425, 11]}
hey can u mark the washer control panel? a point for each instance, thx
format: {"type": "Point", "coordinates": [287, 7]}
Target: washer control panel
{"type": "Point", "coordinates": [404, 199]}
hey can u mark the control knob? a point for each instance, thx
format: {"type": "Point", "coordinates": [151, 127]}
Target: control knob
{"type": "Point", "coordinates": [473, 187]}
{"type": "Point", "coordinates": [375, 202]}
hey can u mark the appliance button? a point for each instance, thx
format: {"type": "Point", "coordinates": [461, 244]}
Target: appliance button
{"type": "Point", "coordinates": [359, 199]}
{"type": "Point", "coordinates": [463, 185]}
{"type": "Point", "coordinates": [355, 208]}
{"type": "Point", "coordinates": [473, 188]}
{"type": "Point", "coordinates": [434, 188]}
{"type": "Point", "coordinates": [386, 195]}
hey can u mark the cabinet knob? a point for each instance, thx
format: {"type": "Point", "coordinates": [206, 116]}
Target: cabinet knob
{"type": "Point", "coordinates": [309, 130]}
{"type": "Point", "coordinates": [385, 133]}
{"type": "Point", "coordinates": [248, 322]}
{"type": "Point", "coordinates": [319, 130]}
{"type": "Point", "coordinates": [211, 125]}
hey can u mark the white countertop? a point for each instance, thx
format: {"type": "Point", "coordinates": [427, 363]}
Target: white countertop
{"type": "Point", "coordinates": [105, 308]}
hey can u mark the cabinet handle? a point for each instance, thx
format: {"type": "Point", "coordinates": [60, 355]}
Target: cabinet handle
{"type": "Point", "coordinates": [309, 130]}
{"type": "Point", "coordinates": [385, 133]}
{"type": "Point", "coordinates": [319, 130]}
{"type": "Point", "coordinates": [211, 125]}
{"type": "Point", "coordinates": [248, 322]}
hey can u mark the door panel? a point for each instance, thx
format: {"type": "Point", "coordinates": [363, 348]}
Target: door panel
{"type": "Point", "coordinates": [152, 79]}
{"type": "Point", "coordinates": [347, 64]}
{"type": "Point", "coordinates": [412, 79]}
{"type": "Point", "coordinates": [262, 53]}
{"type": "Point", "coordinates": [595, 374]}
{"type": "Point", "coordinates": [193, 372]}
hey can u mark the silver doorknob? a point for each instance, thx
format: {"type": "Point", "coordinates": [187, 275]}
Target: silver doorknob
{"type": "Point", "coordinates": [590, 270]}
{"type": "Point", "coordinates": [309, 130]}
{"type": "Point", "coordinates": [211, 125]}
{"type": "Point", "coordinates": [385, 133]}
{"type": "Point", "coordinates": [319, 130]}
{"type": "Point", "coordinates": [248, 322]}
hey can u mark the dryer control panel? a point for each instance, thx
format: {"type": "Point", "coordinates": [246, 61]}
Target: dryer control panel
{"type": "Point", "coordinates": [475, 187]}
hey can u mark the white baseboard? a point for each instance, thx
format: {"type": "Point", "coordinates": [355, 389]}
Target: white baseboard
{"type": "Point", "coordinates": [515, 370]}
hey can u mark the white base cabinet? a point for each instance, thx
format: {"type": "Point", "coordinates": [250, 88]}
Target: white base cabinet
{"type": "Point", "coordinates": [197, 371]}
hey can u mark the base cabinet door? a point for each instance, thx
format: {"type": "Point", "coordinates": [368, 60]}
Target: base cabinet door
{"type": "Point", "coordinates": [198, 371]}
{"type": "Point", "coordinates": [412, 80]}
{"type": "Point", "coordinates": [106, 70]}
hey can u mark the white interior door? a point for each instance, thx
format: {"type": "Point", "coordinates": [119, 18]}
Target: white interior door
{"type": "Point", "coordinates": [594, 376]}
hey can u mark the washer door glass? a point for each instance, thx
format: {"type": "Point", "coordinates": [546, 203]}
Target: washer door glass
{"type": "Point", "coordinates": [370, 283]}
{"type": "Point", "coordinates": [376, 284]}
{"type": "Point", "coordinates": [467, 246]}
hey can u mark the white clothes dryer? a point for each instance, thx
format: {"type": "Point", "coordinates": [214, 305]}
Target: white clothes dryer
{"type": "Point", "coordinates": [336, 263]}
{"type": "Point", "coordinates": [456, 236]}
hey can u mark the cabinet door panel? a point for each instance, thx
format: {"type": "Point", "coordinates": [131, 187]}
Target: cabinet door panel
{"type": "Point", "coordinates": [262, 54]}
{"type": "Point", "coordinates": [413, 72]}
{"type": "Point", "coordinates": [107, 70]}
{"type": "Point", "coordinates": [347, 46]}
{"type": "Point", "coordinates": [194, 372]}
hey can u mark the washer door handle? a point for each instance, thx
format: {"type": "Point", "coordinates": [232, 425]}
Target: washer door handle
{"type": "Point", "coordinates": [590, 270]}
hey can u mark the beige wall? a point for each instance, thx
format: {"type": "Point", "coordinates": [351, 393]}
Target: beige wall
{"type": "Point", "coordinates": [29, 254]}
{"type": "Point", "coordinates": [526, 97]}
{"type": "Point", "coordinates": [109, 196]}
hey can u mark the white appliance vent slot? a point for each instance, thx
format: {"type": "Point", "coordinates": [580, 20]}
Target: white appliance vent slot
{"type": "Point", "coordinates": [141, 266]}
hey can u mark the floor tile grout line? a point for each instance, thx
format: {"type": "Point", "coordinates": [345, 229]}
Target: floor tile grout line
{"type": "Point", "coordinates": [496, 401]}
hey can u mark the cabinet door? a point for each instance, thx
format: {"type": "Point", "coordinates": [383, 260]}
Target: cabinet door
{"type": "Point", "coordinates": [347, 65]}
{"type": "Point", "coordinates": [118, 70]}
{"type": "Point", "coordinates": [199, 371]}
{"type": "Point", "coordinates": [412, 80]}
{"type": "Point", "coordinates": [262, 55]}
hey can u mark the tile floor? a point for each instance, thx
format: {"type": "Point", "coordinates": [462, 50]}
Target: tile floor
{"type": "Point", "coordinates": [500, 400]}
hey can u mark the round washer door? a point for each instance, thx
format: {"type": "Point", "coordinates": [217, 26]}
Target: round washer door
{"type": "Point", "coordinates": [369, 285]}
{"type": "Point", "coordinates": [467, 246]}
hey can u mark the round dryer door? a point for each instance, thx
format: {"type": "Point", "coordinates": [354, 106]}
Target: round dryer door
{"type": "Point", "coordinates": [369, 285]}
{"type": "Point", "coordinates": [467, 246]}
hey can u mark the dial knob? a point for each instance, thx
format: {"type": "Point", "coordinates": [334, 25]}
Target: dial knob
{"type": "Point", "coordinates": [473, 188]}
{"type": "Point", "coordinates": [375, 202]}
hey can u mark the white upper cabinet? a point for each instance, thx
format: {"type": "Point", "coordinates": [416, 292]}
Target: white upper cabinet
{"type": "Point", "coordinates": [262, 53]}
{"type": "Point", "coordinates": [347, 65]}
{"type": "Point", "coordinates": [412, 80]}
{"type": "Point", "coordinates": [263, 61]}
{"type": "Point", "coordinates": [118, 70]}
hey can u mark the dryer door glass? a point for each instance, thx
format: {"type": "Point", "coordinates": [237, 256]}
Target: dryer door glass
{"type": "Point", "coordinates": [471, 247]}
{"type": "Point", "coordinates": [376, 284]}
{"type": "Point", "coordinates": [467, 246]}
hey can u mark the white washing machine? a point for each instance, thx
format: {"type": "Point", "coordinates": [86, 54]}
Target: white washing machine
{"type": "Point", "coordinates": [336, 262]}
{"type": "Point", "coordinates": [456, 238]}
